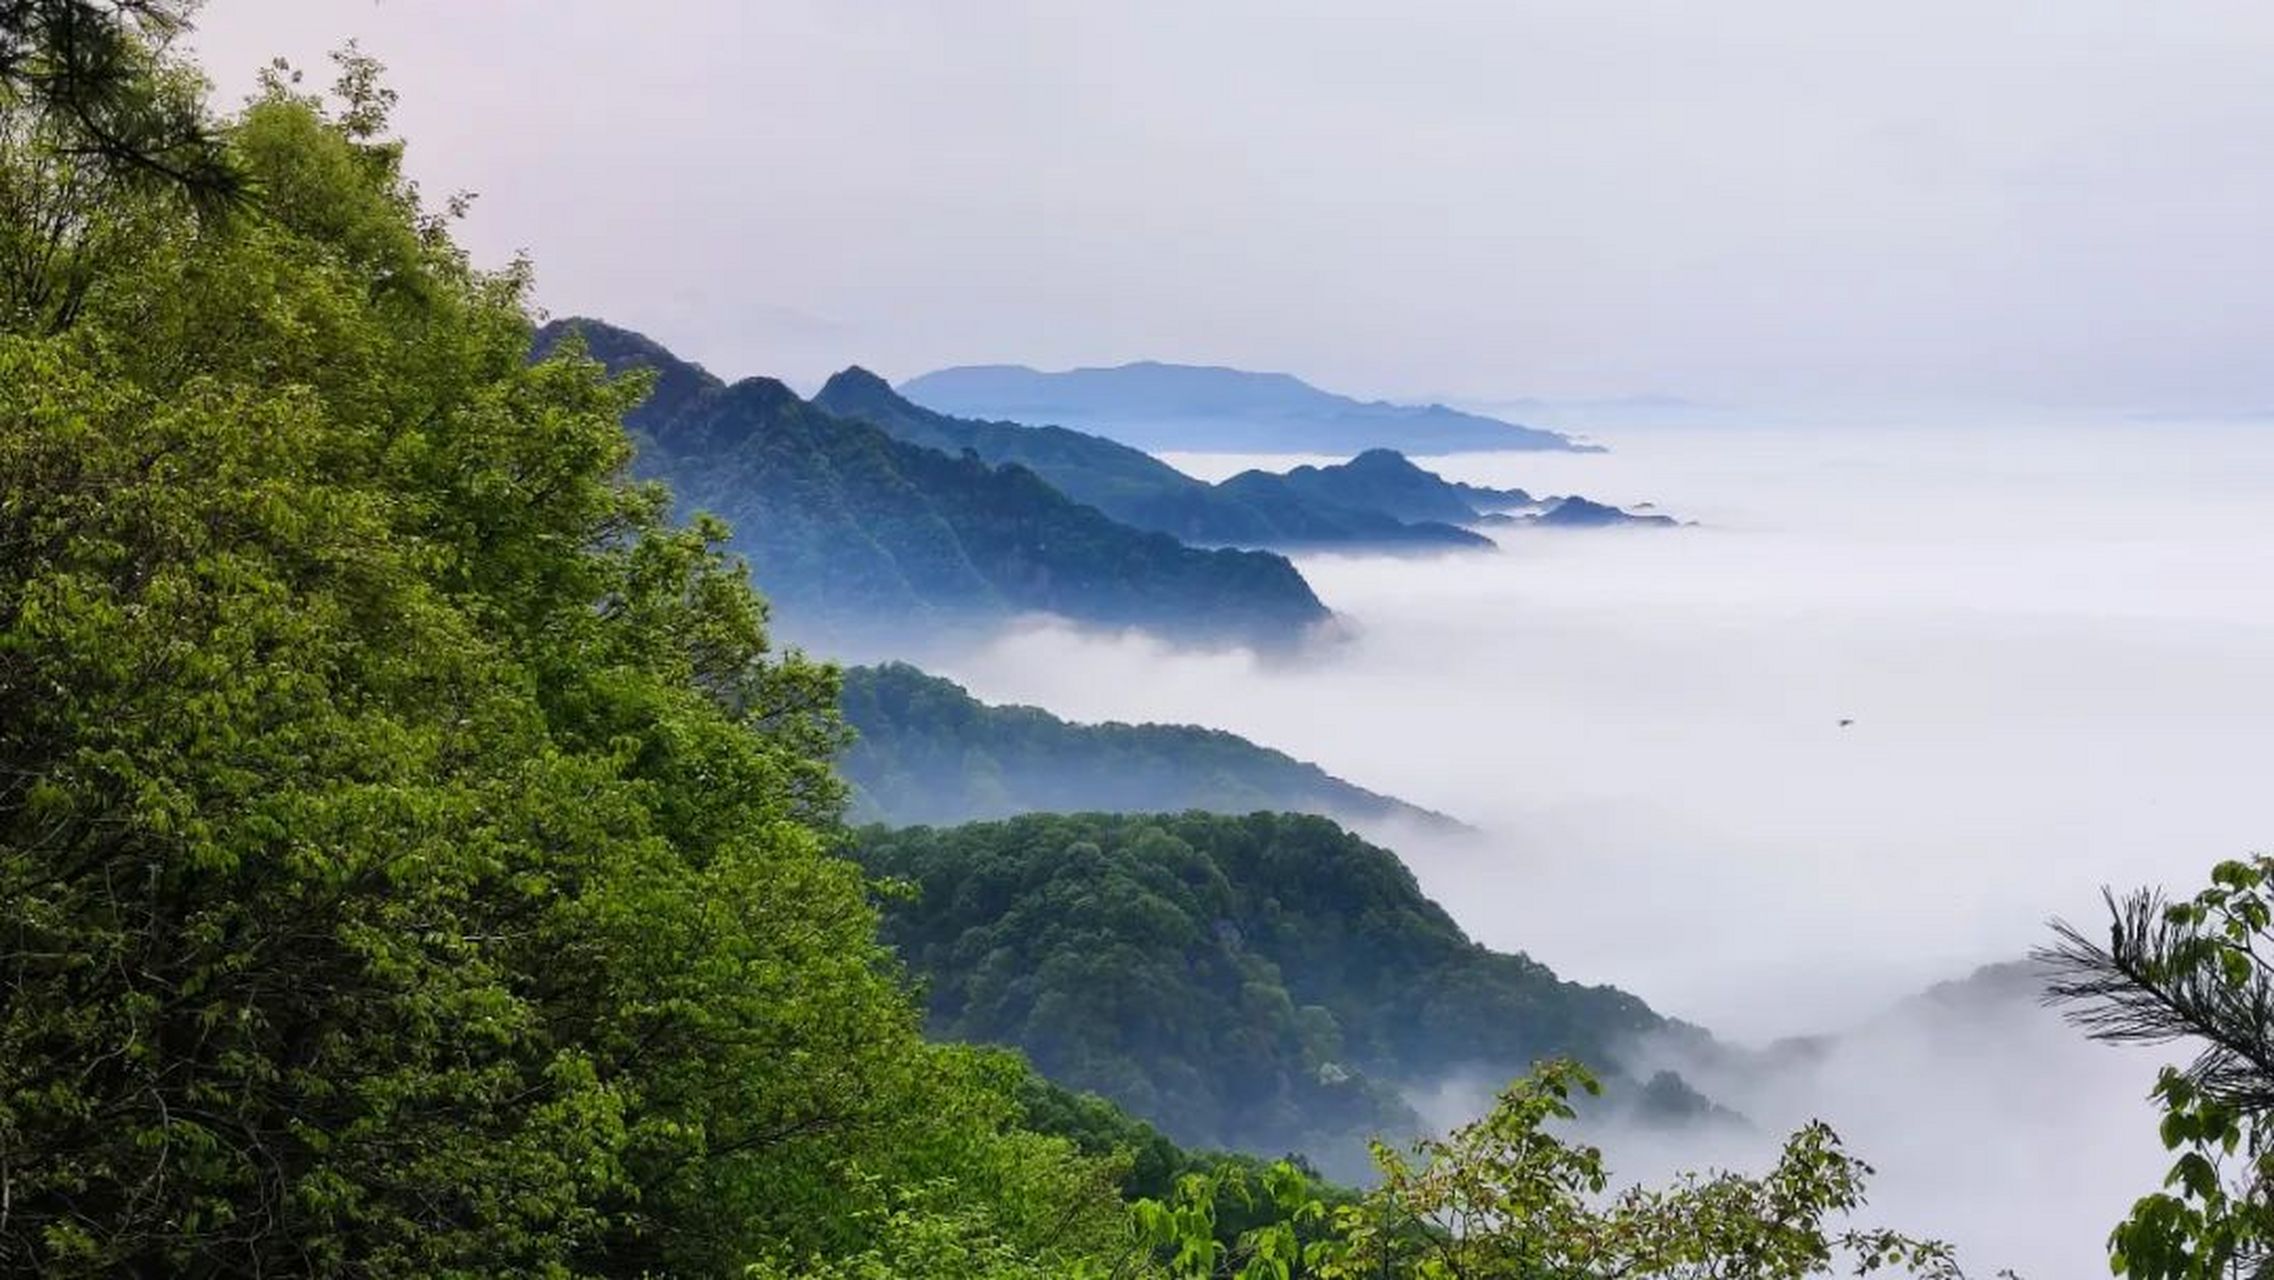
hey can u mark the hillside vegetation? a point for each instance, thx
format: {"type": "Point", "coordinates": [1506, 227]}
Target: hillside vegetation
{"type": "Point", "coordinates": [414, 859]}
{"type": "Point", "coordinates": [1268, 982]}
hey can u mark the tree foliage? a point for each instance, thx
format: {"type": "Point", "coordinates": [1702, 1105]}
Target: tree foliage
{"type": "Point", "coordinates": [1267, 982]}
{"type": "Point", "coordinates": [2198, 972]}
{"type": "Point", "coordinates": [88, 71]}
{"type": "Point", "coordinates": [412, 859]}
{"type": "Point", "coordinates": [1506, 1199]}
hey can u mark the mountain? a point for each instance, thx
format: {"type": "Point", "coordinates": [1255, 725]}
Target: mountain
{"type": "Point", "coordinates": [1378, 500]}
{"type": "Point", "coordinates": [929, 752]}
{"type": "Point", "coordinates": [858, 537]}
{"type": "Point", "coordinates": [1387, 481]}
{"type": "Point", "coordinates": [1578, 513]}
{"type": "Point", "coordinates": [1306, 522]}
{"type": "Point", "coordinates": [1136, 488]}
{"type": "Point", "coordinates": [1575, 512]}
{"type": "Point", "coordinates": [1215, 410]}
{"type": "Point", "coordinates": [1388, 484]}
{"type": "Point", "coordinates": [1267, 982]}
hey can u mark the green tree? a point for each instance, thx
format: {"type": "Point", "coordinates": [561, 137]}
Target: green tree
{"type": "Point", "coordinates": [2194, 972]}
{"type": "Point", "coordinates": [1506, 1199]}
{"type": "Point", "coordinates": [89, 70]}
{"type": "Point", "coordinates": [413, 860]}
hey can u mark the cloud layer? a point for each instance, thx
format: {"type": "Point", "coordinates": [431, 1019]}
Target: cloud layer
{"type": "Point", "coordinates": [2053, 648]}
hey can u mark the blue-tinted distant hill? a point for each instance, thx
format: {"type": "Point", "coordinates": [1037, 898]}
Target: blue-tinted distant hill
{"type": "Point", "coordinates": [864, 540]}
{"type": "Point", "coordinates": [1388, 483]}
{"type": "Point", "coordinates": [1136, 488]}
{"type": "Point", "coordinates": [1207, 409]}
{"type": "Point", "coordinates": [929, 752]}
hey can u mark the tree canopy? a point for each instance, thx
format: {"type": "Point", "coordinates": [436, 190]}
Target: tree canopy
{"type": "Point", "coordinates": [413, 860]}
{"type": "Point", "coordinates": [2198, 972]}
{"type": "Point", "coordinates": [1267, 982]}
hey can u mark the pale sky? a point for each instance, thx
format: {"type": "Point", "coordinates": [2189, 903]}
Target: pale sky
{"type": "Point", "coordinates": [2031, 203]}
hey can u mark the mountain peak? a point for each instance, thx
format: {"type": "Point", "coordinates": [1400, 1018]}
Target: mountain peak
{"type": "Point", "coordinates": [764, 394]}
{"type": "Point", "coordinates": [620, 350]}
{"type": "Point", "coordinates": [853, 380]}
{"type": "Point", "coordinates": [1381, 460]}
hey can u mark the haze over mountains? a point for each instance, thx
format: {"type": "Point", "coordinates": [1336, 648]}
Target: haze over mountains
{"type": "Point", "coordinates": [926, 751]}
{"type": "Point", "coordinates": [1202, 408]}
{"type": "Point", "coordinates": [853, 531]}
{"type": "Point", "coordinates": [889, 529]}
{"type": "Point", "coordinates": [1134, 487]}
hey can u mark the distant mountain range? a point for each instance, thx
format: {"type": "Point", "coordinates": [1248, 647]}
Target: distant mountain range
{"type": "Point", "coordinates": [853, 533]}
{"type": "Point", "coordinates": [1136, 488]}
{"type": "Point", "coordinates": [929, 752]}
{"type": "Point", "coordinates": [1207, 409]}
{"type": "Point", "coordinates": [1388, 485]}
{"type": "Point", "coordinates": [1378, 500]}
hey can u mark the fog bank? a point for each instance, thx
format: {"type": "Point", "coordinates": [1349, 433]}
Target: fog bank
{"type": "Point", "coordinates": [2054, 646]}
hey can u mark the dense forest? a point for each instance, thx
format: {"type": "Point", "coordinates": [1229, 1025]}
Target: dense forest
{"type": "Point", "coordinates": [413, 859]}
{"type": "Point", "coordinates": [862, 539]}
{"type": "Point", "coordinates": [417, 858]}
{"type": "Point", "coordinates": [1268, 982]}
{"type": "Point", "coordinates": [926, 751]}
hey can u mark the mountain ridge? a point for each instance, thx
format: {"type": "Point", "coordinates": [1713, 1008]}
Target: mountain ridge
{"type": "Point", "coordinates": [1216, 408]}
{"type": "Point", "coordinates": [1136, 488]}
{"type": "Point", "coordinates": [927, 752]}
{"type": "Point", "coordinates": [863, 539]}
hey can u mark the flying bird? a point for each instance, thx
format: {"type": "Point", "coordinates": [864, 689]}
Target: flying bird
{"type": "Point", "coordinates": [1845, 723]}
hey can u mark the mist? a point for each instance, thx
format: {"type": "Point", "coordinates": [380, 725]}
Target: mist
{"type": "Point", "coordinates": [2051, 641]}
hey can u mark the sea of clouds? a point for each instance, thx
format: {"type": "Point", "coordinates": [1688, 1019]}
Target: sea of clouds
{"type": "Point", "coordinates": [2056, 643]}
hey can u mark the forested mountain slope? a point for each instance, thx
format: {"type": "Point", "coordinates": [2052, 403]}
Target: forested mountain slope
{"type": "Point", "coordinates": [851, 532]}
{"type": "Point", "coordinates": [1268, 982]}
{"type": "Point", "coordinates": [929, 752]}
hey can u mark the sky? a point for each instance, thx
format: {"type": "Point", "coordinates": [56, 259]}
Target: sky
{"type": "Point", "coordinates": [2040, 205]}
